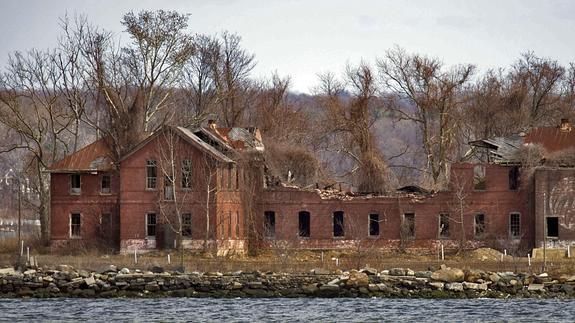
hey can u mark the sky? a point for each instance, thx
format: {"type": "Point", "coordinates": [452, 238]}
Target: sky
{"type": "Point", "coordinates": [300, 39]}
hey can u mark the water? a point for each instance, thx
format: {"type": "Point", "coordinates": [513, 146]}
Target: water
{"type": "Point", "coordinates": [287, 310]}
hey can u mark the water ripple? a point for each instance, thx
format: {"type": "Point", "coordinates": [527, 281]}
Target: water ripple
{"type": "Point", "coordinates": [286, 310]}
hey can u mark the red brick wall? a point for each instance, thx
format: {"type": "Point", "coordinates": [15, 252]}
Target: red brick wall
{"type": "Point", "coordinates": [496, 202]}
{"type": "Point", "coordinates": [137, 201]}
{"type": "Point", "coordinates": [555, 197]}
{"type": "Point", "coordinates": [90, 203]}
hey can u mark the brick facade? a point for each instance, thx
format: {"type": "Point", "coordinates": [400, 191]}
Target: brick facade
{"type": "Point", "coordinates": [492, 209]}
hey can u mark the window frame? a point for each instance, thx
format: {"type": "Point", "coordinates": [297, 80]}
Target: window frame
{"type": "Point", "coordinates": [154, 225]}
{"type": "Point", "coordinates": [72, 225]}
{"type": "Point", "coordinates": [187, 225]}
{"type": "Point", "coordinates": [169, 188]}
{"type": "Point", "coordinates": [514, 228]}
{"type": "Point", "coordinates": [338, 224]}
{"type": "Point", "coordinates": [102, 188]}
{"type": "Point", "coordinates": [482, 227]}
{"type": "Point", "coordinates": [186, 170]}
{"type": "Point", "coordinates": [479, 177]}
{"type": "Point", "coordinates": [440, 233]}
{"type": "Point", "coordinates": [410, 231]}
{"type": "Point", "coordinates": [151, 165]}
{"type": "Point", "coordinates": [75, 190]}
{"type": "Point", "coordinates": [304, 233]}
{"type": "Point", "coordinates": [377, 222]}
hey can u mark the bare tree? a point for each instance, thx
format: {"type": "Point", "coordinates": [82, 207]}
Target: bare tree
{"type": "Point", "coordinates": [348, 125]}
{"type": "Point", "coordinates": [434, 97]}
{"type": "Point", "coordinates": [34, 112]}
{"type": "Point", "coordinates": [231, 66]}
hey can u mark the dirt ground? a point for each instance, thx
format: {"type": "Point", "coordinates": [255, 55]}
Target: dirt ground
{"type": "Point", "coordinates": [299, 261]}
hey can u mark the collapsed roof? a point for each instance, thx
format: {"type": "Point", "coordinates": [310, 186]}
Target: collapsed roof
{"type": "Point", "coordinates": [502, 150]}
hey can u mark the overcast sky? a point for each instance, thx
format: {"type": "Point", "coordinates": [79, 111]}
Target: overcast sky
{"type": "Point", "coordinates": [302, 38]}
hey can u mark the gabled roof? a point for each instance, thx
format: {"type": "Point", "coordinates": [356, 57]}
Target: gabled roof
{"type": "Point", "coordinates": [189, 137]}
{"type": "Point", "coordinates": [97, 156]}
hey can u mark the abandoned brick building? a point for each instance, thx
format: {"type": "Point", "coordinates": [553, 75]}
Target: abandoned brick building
{"type": "Point", "coordinates": [207, 188]}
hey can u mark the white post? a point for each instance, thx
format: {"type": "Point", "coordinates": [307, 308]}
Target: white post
{"type": "Point", "coordinates": [505, 252]}
{"type": "Point", "coordinates": [136, 256]}
{"type": "Point", "coordinates": [501, 257]}
{"type": "Point", "coordinates": [442, 253]}
{"type": "Point", "coordinates": [529, 259]}
{"type": "Point", "coordinates": [169, 260]}
{"type": "Point", "coordinates": [175, 244]}
{"type": "Point", "coordinates": [337, 262]}
{"type": "Point", "coordinates": [322, 256]}
{"type": "Point", "coordinates": [568, 251]}
{"type": "Point", "coordinates": [21, 248]}
{"type": "Point", "coordinates": [28, 254]}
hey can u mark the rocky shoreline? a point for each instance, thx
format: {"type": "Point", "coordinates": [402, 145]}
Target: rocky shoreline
{"type": "Point", "coordinates": [65, 281]}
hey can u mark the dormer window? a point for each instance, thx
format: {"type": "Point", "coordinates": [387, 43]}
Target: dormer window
{"type": "Point", "coordinates": [75, 184]}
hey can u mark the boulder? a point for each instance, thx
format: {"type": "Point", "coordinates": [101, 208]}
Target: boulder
{"type": "Point", "coordinates": [157, 270]}
{"type": "Point", "coordinates": [423, 274]}
{"type": "Point", "coordinates": [536, 287]}
{"type": "Point", "coordinates": [472, 286]}
{"type": "Point", "coordinates": [409, 272]}
{"type": "Point", "coordinates": [448, 275]}
{"type": "Point", "coordinates": [321, 271]}
{"type": "Point", "coordinates": [474, 275]}
{"type": "Point", "coordinates": [90, 281]}
{"type": "Point", "coordinates": [397, 272]}
{"type": "Point", "coordinates": [494, 277]}
{"type": "Point", "coordinates": [357, 279]}
{"type": "Point", "coordinates": [369, 271]}
{"type": "Point", "coordinates": [436, 285]}
{"type": "Point", "coordinates": [109, 269]}
{"type": "Point", "coordinates": [455, 287]}
{"type": "Point", "coordinates": [7, 271]}
{"type": "Point", "coordinates": [125, 271]}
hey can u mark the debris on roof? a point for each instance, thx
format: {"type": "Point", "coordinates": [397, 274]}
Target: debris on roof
{"type": "Point", "coordinates": [414, 189]}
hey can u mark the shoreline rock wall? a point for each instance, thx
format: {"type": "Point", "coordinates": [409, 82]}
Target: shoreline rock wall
{"type": "Point", "coordinates": [66, 281]}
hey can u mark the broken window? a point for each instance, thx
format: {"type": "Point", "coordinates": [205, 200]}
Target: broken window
{"type": "Point", "coordinates": [514, 225]}
{"type": "Point", "coordinates": [151, 225]}
{"type": "Point", "coordinates": [169, 188]}
{"type": "Point", "coordinates": [186, 173]}
{"type": "Point", "coordinates": [338, 228]}
{"type": "Point", "coordinates": [552, 227]}
{"type": "Point", "coordinates": [151, 174]}
{"type": "Point", "coordinates": [304, 224]}
{"type": "Point", "coordinates": [75, 225]}
{"type": "Point", "coordinates": [106, 185]}
{"type": "Point", "coordinates": [479, 225]}
{"type": "Point", "coordinates": [444, 225]}
{"type": "Point", "coordinates": [479, 177]}
{"type": "Point", "coordinates": [270, 224]}
{"type": "Point", "coordinates": [374, 225]}
{"type": "Point", "coordinates": [408, 226]}
{"type": "Point", "coordinates": [75, 184]}
{"type": "Point", "coordinates": [187, 225]}
{"type": "Point", "coordinates": [514, 178]}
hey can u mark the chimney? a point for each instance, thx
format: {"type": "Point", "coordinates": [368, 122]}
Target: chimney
{"type": "Point", "coordinates": [212, 124]}
{"type": "Point", "coordinates": [565, 125]}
